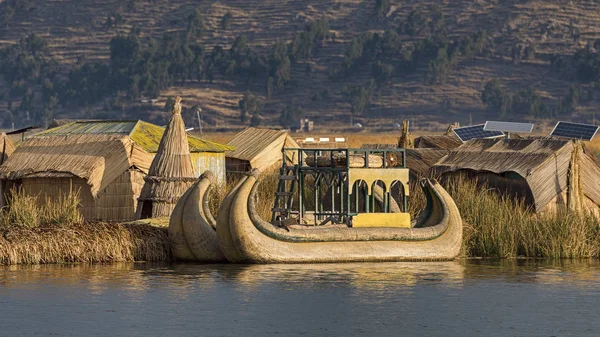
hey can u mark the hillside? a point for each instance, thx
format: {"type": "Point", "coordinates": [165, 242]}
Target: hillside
{"type": "Point", "coordinates": [79, 31]}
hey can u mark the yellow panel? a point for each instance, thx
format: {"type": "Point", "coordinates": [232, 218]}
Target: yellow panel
{"type": "Point", "coordinates": [387, 175]}
{"type": "Point", "coordinates": [398, 220]}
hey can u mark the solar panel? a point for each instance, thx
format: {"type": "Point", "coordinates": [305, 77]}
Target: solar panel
{"type": "Point", "coordinates": [574, 130]}
{"type": "Point", "coordinates": [508, 127]}
{"type": "Point", "coordinates": [475, 131]}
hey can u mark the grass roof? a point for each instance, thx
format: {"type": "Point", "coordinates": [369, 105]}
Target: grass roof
{"type": "Point", "coordinates": [146, 135]}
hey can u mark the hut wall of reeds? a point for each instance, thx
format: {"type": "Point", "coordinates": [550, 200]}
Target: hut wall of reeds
{"type": "Point", "coordinates": [171, 172]}
{"type": "Point", "coordinates": [547, 174]}
{"type": "Point", "coordinates": [103, 169]}
{"type": "Point", "coordinates": [257, 148]}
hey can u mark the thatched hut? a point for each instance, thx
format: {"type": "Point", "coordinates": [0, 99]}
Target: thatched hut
{"type": "Point", "coordinates": [547, 174]}
{"type": "Point", "coordinates": [105, 161]}
{"type": "Point", "coordinates": [171, 172]}
{"type": "Point", "coordinates": [257, 148]}
{"type": "Point", "coordinates": [6, 149]}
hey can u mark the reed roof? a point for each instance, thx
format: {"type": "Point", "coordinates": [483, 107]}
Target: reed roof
{"type": "Point", "coordinates": [260, 147]}
{"type": "Point", "coordinates": [503, 155]}
{"type": "Point", "coordinates": [98, 159]}
{"type": "Point", "coordinates": [419, 161]}
{"type": "Point", "coordinates": [6, 147]}
{"type": "Point", "coordinates": [447, 141]}
{"type": "Point", "coordinates": [145, 134]}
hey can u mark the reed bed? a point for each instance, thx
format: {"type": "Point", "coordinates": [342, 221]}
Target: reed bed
{"type": "Point", "coordinates": [52, 231]}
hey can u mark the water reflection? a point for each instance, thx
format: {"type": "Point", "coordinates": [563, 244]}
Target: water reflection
{"type": "Point", "coordinates": [466, 298]}
{"type": "Point", "coordinates": [139, 277]}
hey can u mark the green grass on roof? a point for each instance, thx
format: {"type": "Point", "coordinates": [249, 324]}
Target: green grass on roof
{"type": "Point", "coordinates": [148, 136]}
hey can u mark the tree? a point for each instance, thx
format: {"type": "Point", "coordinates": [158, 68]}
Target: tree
{"type": "Point", "coordinates": [415, 23]}
{"type": "Point", "coordinates": [439, 69]}
{"type": "Point", "coordinates": [269, 87]}
{"type": "Point", "coordinates": [382, 72]}
{"type": "Point", "coordinates": [226, 20]}
{"type": "Point", "coordinates": [290, 115]}
{"type": "Point", "coordinates": [358, 97]}
{"type": "Point", "coordinates": [249, 105]}
{"type": "Point", "coordinates": [279, 64]}
{"type": "Point", "coordinates": [382, 7]}
{"type": "Point", "coordinates": [255, 120]}
{"type": "Point", "coordinates": [530, 51]}
{"type": "Point", "coordinates": [169, 104]}
{"type": "Point", "coordinates": [195, 24]}
{"type": "Point", "coordinates": [496, 97]}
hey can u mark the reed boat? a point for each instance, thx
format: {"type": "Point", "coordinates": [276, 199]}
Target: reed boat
{"type": "Point", "coordinates": [245, 237]}
{"type": "Point", "coordinates": [325, 210]}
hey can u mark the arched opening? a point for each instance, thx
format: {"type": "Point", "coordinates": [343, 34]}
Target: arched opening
{"type": "Point", "coordinates": [398, 195]}
{"type": "Point", "coordinates": [359, 197]}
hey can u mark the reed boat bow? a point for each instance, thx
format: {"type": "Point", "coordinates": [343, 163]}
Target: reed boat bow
{"type": "Point", "coordinates": [192, 227]}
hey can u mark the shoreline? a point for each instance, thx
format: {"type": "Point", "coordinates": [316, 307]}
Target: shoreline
{"type": "Point", "coordinates": [87, 243]}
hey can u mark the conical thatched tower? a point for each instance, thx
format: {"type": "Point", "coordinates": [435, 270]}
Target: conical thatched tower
{"type": "Point", "coordinates": [171, 172]}
{"type": "Point", "coordinates": [405, 141]}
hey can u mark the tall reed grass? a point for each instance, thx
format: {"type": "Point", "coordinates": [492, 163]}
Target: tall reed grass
{"type": "Point", "coordinates": [52, 231]}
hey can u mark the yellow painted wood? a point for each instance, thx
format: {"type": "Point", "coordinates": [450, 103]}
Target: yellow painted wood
{"type": "Point", "coordinates": [396, 220]}
{"type": "Point", "coordinates": [387, 175]}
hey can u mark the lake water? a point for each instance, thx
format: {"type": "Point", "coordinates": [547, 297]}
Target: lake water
{"type": "Point", "coordinates": [463, 298]}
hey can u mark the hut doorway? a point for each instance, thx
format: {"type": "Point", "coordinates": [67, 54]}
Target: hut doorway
{"type": "Point", "coordinates": [146, 210]}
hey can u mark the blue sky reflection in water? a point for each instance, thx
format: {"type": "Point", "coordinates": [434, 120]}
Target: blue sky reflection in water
{"type": "Point", "coordinates": [465, 298]}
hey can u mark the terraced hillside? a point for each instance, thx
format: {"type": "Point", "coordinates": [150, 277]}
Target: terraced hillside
{"type": "Point", "coordinates": [77, 31]}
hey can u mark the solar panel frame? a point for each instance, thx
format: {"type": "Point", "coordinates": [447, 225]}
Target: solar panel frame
{"type": "Point", "coordinates": [586, 131]}
{"type": "Point", "coordinates": [477, 133]}
{"type": "Point", "coordinates": [508, 127]}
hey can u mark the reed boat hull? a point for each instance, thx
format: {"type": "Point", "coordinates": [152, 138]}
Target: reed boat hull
{"type": "Point", "coordinates": [192, 228]}
{"type": "Point", "coordinates": [246, 238]}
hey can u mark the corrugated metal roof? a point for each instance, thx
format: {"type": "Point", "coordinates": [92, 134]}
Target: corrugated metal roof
{"type": "Point", "coordinates": [252, 142]}
{"type": "Point", "coordinates": [92, 128]}
{"type": "Point", "coordinates": [145, 134]}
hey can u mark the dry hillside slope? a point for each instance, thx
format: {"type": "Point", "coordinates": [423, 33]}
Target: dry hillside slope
{"type": "Point", "coordinates": [76, 30]}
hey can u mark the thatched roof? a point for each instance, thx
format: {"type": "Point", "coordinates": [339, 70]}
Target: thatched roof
{"type": "Point", "coordinates": [419, 161]}
{"type": "Point", "coordinates": [260, 147]}
{"type": "Point", "coordinates": [543, 163]}
{"type": "Point", "coordinates": [449, 141]}
{"type": "Point", "coordinates": [503, 155]}
{"type": "Point", "coordinates": [98, 159]}
{"type": "Point", "coordinates": [171, 172]}
{"type": "Point", "coordinates": [145, 134]}
{"type": "Point", "coordinates": [6, 147]}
